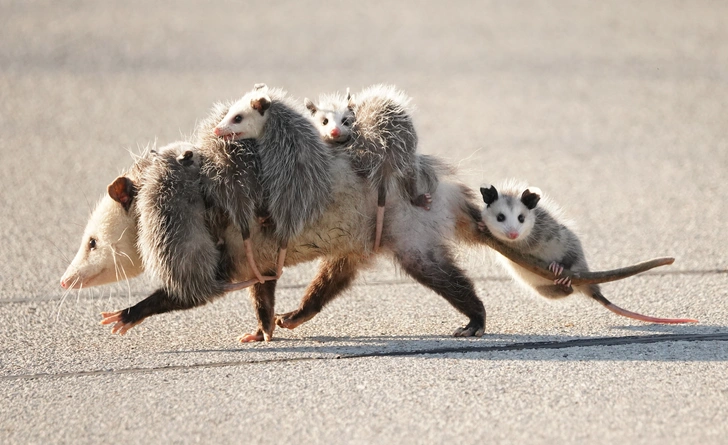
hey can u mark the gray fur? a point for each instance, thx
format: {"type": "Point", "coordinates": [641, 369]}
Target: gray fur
{"type": "Point", "coordinates": [295, 167]}
{"type": "Point", "coordinates": [229, 172]}
{"type": "Point", "coordinates": [543, 235]}
{"type": "Point", "coordinates": [383, 141]}
{"type": "Point", "coordinates": [174, 239]}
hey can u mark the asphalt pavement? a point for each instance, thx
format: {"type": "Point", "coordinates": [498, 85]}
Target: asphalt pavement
{"type": "Point", "coordinates": [617, 110]}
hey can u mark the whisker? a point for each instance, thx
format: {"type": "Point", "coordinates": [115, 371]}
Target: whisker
{"type": "Point", "coordinates": [63, 297]}
{"type": "Point", "coordinates": [124, 254]}
{"type": "Point", "coordinates": [63, 255]}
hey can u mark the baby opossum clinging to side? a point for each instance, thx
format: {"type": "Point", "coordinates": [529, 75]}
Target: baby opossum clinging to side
{"type": "Point", "coordinates": [375, 128]}
{"type": "Point", "coordinates": [295, 164]}
{"type": "Point", "coordinates": [512, 215]}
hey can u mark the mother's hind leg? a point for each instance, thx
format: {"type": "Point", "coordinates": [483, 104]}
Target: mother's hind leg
{"type": "Point", "coordinates": [436, 270]}
{"type": "Point", "coordinates": [334, 276]}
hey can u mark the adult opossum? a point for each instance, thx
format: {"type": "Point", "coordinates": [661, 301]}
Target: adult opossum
{"type": "Point", "coordinates": [420, 242]}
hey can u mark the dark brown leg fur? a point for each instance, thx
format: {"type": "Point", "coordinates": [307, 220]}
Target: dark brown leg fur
{"type": "Point", "coordinates": [157, 303]}
{"type": "Point", "coordinates": [437, 271]}
{"type": "Point", "coordinates": [263, 298]}
{"type": "Point", "coordinates": [334, 277]}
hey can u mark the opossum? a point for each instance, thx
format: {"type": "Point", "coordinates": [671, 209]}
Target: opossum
{"type": "Point", "coordinates": [295, 164]}
{"type": "Point", "coordinates": [229, 179]}
{"type": "Point", "coordinates": [420, 243]}
{"type": "Point", "coordinates": [108, 251]}
{"type": "Point", "coordinates": [515, 216]}
{"type": "Point", "coordinates": [376, 129]}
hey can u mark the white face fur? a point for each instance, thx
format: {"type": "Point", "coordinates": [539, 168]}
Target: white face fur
{"type": "Point", "coordinates": [508, 216]}
{"type": "Point", "coordinates": [332, 121]}
{"type": "Point", "coordinates": [246, 117]}
{"type": "Point", "coordinates": [108, 250]}
{"type": "Point", "coordinates": [334, 125]}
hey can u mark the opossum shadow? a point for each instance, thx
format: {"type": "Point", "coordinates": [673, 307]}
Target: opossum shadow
{"type": "Point", "coordinates": [498, 346]}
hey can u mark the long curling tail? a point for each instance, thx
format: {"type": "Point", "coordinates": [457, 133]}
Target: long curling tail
{"type": "Point", "coordinates": [596, 294]}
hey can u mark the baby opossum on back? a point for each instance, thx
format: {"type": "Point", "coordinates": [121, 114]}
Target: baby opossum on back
{"type": "Point", "coordinates": [376, 129]}
{"type": "Point", "coordinates": [174, 239]}
{"type": "Point", "coordinates": [512, 214]}
{"type": "Point", "coordinates": [295, 164]}
{"type": "Point", "coordinates": [229, 177]}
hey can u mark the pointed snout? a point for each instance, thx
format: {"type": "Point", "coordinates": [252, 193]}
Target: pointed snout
{"type": "Point", "coordinates": [218, 131]}
{"type": "Point", "coordinates": [64, 284]}
{"type": "Point", "coordinates": [512, 235]}
{"type": "Point", "coordinates": [335, 132]}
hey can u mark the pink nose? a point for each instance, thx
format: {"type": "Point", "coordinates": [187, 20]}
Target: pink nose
{"type": "Point", "coordinates": [512, 235]}
{"type": "Point", "coordinates": [335, 133]}
{"type": "Point", "coordinates": [218, 131]}
{"type": "Point", "coordinates": [63, 284]}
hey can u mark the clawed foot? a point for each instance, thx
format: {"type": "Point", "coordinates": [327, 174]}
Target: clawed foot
{"type": "Point", "coordinates": [557, 269]}
{"type": "Point", "coordinates": [424, 201]}
{"type": "Point", "coordinates": [258, 336]}
{"type": "Point", "coordinates": [291, 320]}
{"type": "Point", "coordinates": [120, 326]}
{"type": "Point", "coordinates": [471, 330]}
{"type": "Point", "coordinates": [481, 226]}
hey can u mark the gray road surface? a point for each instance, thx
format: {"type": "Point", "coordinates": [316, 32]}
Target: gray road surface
{"type": "Point", "coordinates": [618, 110]}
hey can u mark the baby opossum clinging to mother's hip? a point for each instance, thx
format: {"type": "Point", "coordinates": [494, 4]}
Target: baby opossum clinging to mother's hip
{"type": "Point", "coordinates": [375, 129]}
{"type": "Point", "coordinates": [513, 215]}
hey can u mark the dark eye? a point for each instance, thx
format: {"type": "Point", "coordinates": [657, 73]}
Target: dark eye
{"type": "Point", "coordinates": [325, 122]}
{"type": "Point", "coordinates": [345, 122]}
{"type": "Point", "coordinates": [238, 118]}
{"type": "Point", "coordinates": [521, 218]}
{"type": "Point", "coordinates": [92, 244]}
{"type": "Point", "coordinates": [501, 217]}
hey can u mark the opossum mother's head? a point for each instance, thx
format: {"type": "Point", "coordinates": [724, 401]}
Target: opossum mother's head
{"type": "Point", "coordinates": [108, 251]}
{"type": "Point", "coordinates": [246, 117]}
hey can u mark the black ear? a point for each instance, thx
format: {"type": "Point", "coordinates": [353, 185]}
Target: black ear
{"type": "Point", "coordinates": [260, 86]}
{"type": "Point", "coordinates": [530, 197]}
{"type": "Point", "coordinates": [348, 95]}
{"type": "Point", "coordinates": [490, 195]}
{"type": "Point", "coordinates": [310, 105]}
{"type": "Point", "coordinates": [123, 191]}
{"type": "Point", "coordinates": [260, 104]}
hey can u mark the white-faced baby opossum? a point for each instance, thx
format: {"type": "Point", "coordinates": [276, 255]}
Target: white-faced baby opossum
{"type": "Point", "coordinates": [229, 179]}
{"type": "Point", "coordinates": [377, 131]}
{"type": "Point", "coordinates": [512, 214]}
{"type": "Point", "coordinates": [295, 164]}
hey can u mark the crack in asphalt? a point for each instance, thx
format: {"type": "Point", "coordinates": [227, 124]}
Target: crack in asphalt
{"type": "Point", "coordinates": [576, 343]}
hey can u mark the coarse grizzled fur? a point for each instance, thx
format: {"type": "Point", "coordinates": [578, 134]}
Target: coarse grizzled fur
{"type": "Point", "coordinates": [229, 172]}
{"type": "Point", "coordinates": [175, 240]}
{"type": "Point", "coordinates": [419, 241]}
{"type": "Point", "coordinates": [375, 128]}
{"type": "Point", "coordinates": [537, 228]}
{"type": "Point", "coordinates": [295, 164]}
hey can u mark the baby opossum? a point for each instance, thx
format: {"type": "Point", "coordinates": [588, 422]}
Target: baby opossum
{"type": "Point", "coordinates": [229, 179]}
{"type": "Point", "coordinates": [376, 129]}
{"type": "Point", "coordinates": [295, 164]}
{"type": "Point", "coordinates": [514, 216]}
